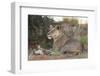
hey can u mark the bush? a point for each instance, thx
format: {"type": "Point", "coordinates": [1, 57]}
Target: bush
{"type": "Point", "coordinates": [83, 40]}
{"type": "Point", "coordinates": [55, 53]}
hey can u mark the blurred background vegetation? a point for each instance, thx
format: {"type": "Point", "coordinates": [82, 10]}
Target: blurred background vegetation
{"type": "Point", "coordinates": [38, 27]}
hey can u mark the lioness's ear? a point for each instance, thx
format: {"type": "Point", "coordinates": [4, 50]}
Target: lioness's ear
{"type": "Point", "coordinates": [50, 27]}
{"type": "Point", "coordinates": [57, 28]}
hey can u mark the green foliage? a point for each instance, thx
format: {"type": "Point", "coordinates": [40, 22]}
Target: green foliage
{"type": "Point", "coordinates": [37, 30]}
{"type": "Point", "coordinates": [72, 21]}
{"type": "Point", "coordinates": [46, 44]}
{"type": "Point", "coordinates": [83, 40]}
{"type": "Point", "coordinates": [55, 53]}
{"type": "Point", "coordinates": [66, 20]}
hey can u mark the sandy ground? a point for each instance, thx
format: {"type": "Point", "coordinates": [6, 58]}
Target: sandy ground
{"type": "Point", "coordinates": [67, 56]}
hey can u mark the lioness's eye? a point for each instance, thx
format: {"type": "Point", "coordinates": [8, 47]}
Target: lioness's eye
{"type": "Point", "coordinates": [58, 28]}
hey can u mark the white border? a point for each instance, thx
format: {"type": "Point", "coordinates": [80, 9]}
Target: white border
{"type": "Point", "coordinates": [19, 36]}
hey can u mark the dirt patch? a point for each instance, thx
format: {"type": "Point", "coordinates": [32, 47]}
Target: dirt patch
{"type": "Point", "coordinates": [46, 57]}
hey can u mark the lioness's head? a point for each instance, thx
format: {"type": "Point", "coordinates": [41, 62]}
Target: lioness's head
{"type": "Point", "coordinates": [54, 32]}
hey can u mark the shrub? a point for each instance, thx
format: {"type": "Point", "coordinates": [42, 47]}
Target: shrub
{"type": "Point", "coordinates": [83, 40]}
{"type": "Point", "coordinates": [55, 53]}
